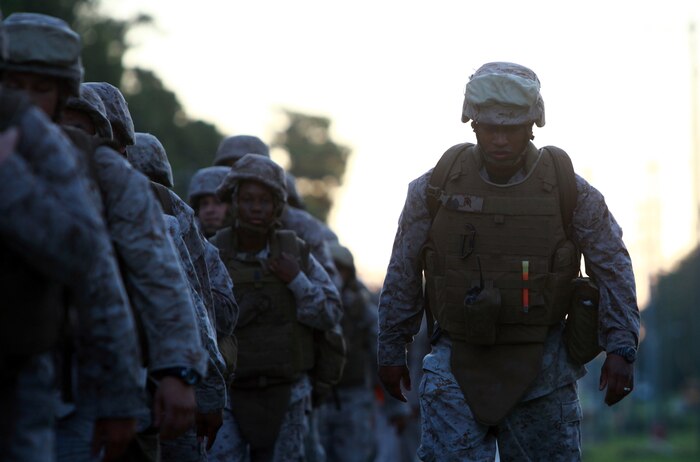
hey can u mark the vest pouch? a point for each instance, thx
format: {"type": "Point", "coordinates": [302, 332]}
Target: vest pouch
{"type": "Point", "coordinates": [566, 263]}
{"type": "Point", "coordinates": [481, 308]}
{"type": "Point", "coordinates": [581, 331]}
{"type": "Point", "coordinates": [228, 346]}
{"type": "Point", "coordinates": [330, 357]}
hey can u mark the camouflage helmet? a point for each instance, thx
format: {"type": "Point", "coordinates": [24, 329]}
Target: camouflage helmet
{"type": "Point", "coordinates": [44, 45]}
{"type": "Point", "coordinates": [501, 93]}
{"type": "Point", "coordinates": [341, 255]}
{"type": "Point", "coordinates": [254, 167]}
{"type": "Point", "coordinates": [233, 148]}
{"type": "Point", "coordinates": [117, 111]}
{"type": "Point", "coordinates": [92, 105]}
{"type": "Point", "coordinates": [205, 181]}
{"type": "Point", "coordinates": [148, 156]}
{"type": "Point", "coordinates": [293, 197]}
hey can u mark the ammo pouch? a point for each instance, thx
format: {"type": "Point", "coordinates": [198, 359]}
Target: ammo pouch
{"type": "Point", "coordinates": [330, 353]}
{"type": "Point", "coordinates": [481, 314]}
{"type": "Point", "coordinates": [228, 346]}
{"type": "Point", "coordinates": [581, 331]}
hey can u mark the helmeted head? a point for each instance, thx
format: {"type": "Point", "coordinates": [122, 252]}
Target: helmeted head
{"type": "Point", "coordinates": [45, 45]}
{"type": "Point", "coordinates": [343, 259]}
{"type": "Point", "coordinates": [502, 93]}
{"type": "Point", "coordinates": [233, 148]}
{"type": "Point", "coordinates": [293, 197]}
{"type": "Point", "coordinates": [205, 182]}
{"type": "Point", "coordinates": [148, 156]}
{"type": "Point", "coordinates": [117, 112]}
{"type": "Point", "coordinates": [89, 105]}
{"type": "Point", "coordinates": [261, 169]}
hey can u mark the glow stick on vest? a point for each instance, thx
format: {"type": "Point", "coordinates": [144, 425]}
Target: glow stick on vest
{"type": "Point", "coordinates": [526, 292]}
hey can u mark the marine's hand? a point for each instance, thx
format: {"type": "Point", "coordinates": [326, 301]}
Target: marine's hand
{"type": "Point", "coordinates": [173, 407]}
{"type": "Point", "coordinates": [284, 267]}
{"type": "Point", "coordinates": [392, 377]}
{"type": "Point", "coordinates": [618, 376]}
{"type": "Point", "coordinates": [113, 436]}
{"type": "Point", "coordinates": [208, 425]}
{"type": "Point", "coordinates": [8, 143]}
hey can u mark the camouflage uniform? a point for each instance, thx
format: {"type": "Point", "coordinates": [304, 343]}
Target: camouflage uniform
{"type": "Point", "coordinates": [49, 183]}
{"type": "Point", "coordinates": [42, 183]}
{"type": "Point", "coordinates": [550, 405]}
{"type": "Point", "coordinates": [346, 421]}
{"type": "Point", "coordinates": [154, 280]}
{"type": "Point", "coordinates": [317, 305]}
{"type": "Point", "coordinates": [212, 303]}
{"type": "Point", "coordinates": [311, 230]}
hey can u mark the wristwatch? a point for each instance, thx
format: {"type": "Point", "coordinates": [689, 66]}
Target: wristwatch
{"type": "Point", "coordinates": [186, 374]}
{"type": "Point", "coordinates": [629, 354]}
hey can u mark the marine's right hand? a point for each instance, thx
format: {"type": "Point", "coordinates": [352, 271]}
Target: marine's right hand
{"type": "Point", "coordinates": [392, 377]}
{"type": "Point", "coordinates": [174, 406]}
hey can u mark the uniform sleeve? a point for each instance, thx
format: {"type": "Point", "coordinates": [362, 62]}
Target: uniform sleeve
{"type": "Point", "coordinates": [155, 282]}
{"type": "Point", "coordinates": [211, 391]}
{"type": "Point", "coordinates": [401, 299]}
{"type": "Point", "coordinates": [225, 306]}
{"type": "Point", "coordinates": [318, 301]}
{"type": "Point", "coordinates": [608, 262]}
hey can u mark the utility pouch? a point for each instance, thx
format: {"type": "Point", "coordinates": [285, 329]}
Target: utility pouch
{"type": "Point", "coordinates": [228, 346]}
{"type": "Point", "coordinates": [482, 306]}
{"type": "Point", "coordinates": [581, 331]}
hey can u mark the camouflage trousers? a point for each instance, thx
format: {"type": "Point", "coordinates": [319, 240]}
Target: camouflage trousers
{"type": "Point", "coordinates": [185, 448]}
{"type": "Point", "coordinates": [347, 428]}
{"type": "Point", "coordinates": [544, 428]}
{"type": "Point", "coordinates": [27, 417]}
{"type": "Point", "coordinates": [230, 446]}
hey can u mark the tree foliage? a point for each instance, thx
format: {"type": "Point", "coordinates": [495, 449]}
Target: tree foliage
{"type": "Point", "coordinates": [672, 322]}
{"type": "Point", "coordinates": [317, 161]}
{"type": "Point", "coordinates": [190, 144]}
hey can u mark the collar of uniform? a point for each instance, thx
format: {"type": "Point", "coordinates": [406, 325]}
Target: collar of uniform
{"type": "Point", "coordinates": [262, 255]}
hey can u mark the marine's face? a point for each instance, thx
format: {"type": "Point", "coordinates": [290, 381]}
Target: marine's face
{"type": "Point", "coordinates": [212, 213]}
{"type": "Point", "coordinates": [79, 120]}
{"type": "Point", "coordinates": [44, 91]}
{"type": "Point", "coordinates": [256, 204]}
{"type": "Point", "coordinates": [502, 144]}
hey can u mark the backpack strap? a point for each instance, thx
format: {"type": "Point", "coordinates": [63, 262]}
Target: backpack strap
{"type": "Point", "coordinates": [163, 195]}
{"type": "Point", "coordinates": [440, 174]}
{"type": "Point", "coordinates": [568, 194]}
{"type": "Point", "coordinates": [434, 191]}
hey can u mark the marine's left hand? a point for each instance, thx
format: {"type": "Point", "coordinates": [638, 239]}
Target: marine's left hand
{"type": "Point", "coordinates": [285, 267]}
{"type": "Point", "coordinates": [618, 376]}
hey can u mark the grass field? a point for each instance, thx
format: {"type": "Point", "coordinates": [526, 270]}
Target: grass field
{"type": "Point", "coordinates": [680, 447]}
